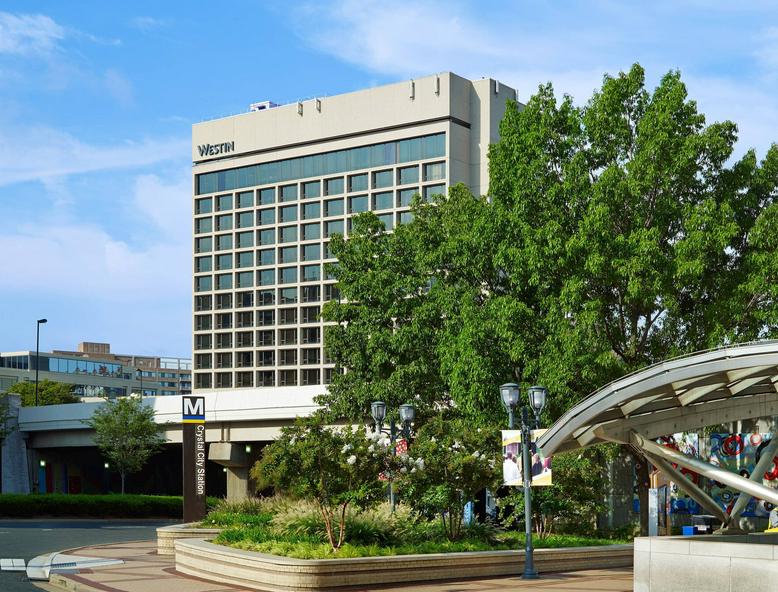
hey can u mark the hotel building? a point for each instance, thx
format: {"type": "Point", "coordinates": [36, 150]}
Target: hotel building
{"type": "Point", "coordinates": [272, 185]}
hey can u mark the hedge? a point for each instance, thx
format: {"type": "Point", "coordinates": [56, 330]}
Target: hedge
{"type": "Point", "coordinates": [93, 506]}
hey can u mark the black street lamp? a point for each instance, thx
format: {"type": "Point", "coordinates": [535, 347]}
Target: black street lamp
{"type": "Point", "coordinates": [509, 393]}
{"type": "Point", "coordinates": [140, 375]}
{"type": "Point", "coordinates": [407, 414]}
{"type": "Point", "coordinates": [37, 353]}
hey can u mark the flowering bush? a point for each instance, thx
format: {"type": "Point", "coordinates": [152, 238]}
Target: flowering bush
{"type": "Point", "coordinates": [445, 467]}
{"type": "Point", "coordinates": [335, 467]}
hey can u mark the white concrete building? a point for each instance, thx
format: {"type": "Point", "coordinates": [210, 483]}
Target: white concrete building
{"type": "Point", "coordinates": [272, 185]}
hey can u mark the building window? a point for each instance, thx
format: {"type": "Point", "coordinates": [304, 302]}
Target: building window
{"type": "Point", "coordinates": [333, 186]}
{"type": "Point", "coordinates": [289, 193]}
{"type": "Point", "coordinates": [203, 303]}
{"type": "Point", "coordinates": [310, 293]}
{"type": "Point", "coordinates": [266, 277]}
{"type": "Point", "coordinates": [287, 234]}
{"type": "Point", "coordinates": [267, 196]}
{"type": "Point", "coordinates": [310, 335]}
{"type": "Point", "coordinates": [244, 219]}
{"type": "Point", "coordinates": [202, 341]}
{"type": "Point", "coordinates": [311, 231]}
{"type": "Point", "coordinates": [266, 237]}
{"type": "Point", "coordinates": [224, 202]}
{"type": "Point", "coordinates": [357, 183]}
{"type": "Point", "coordinates": [266, 358]}
{"type": "Point", "coordinates": [204, 205]}
{"type": "Point", "coordinates": [202, 322]}
{"type": "Point", "coordinates": [310, 314]}
{"type": "Point", "coordinates": [202, 264]}
{"type": "Point", "coordinates": [266, 318]}
{"type": "Point", "coordinates": [266, 378]}
{"type": "Point", "coordinates": [244, 259]}
{"type": "Point", "coordinates": [223, 341]}
{"type": "Point", "coordinates": [404, 217]}
{"type": "Point", "coordinates": [224, 261]}
{"type": "Point", "coordinates": [265, 339]}
{"type": "Point", "coordinates": [287, 377]}
{"type": "Point", "coordinates": [244, 319]}
{"type": "Point", "coordinates": [223, 379]}
{"type": "Point", "coordinates": [244, 339]}
{"type": "Point", "coordinates": [311, 356]}
{"type": "Point", "coordinates": [203, 283]}
{"type": "Point", "coordinates": [287, 357]}
{"type": "Point", "coordinates": [287, 275]}
{"type": "Point", "coordinates": [266, 217]}
{"type": "Point", "coordinates": [333, 207]}
{"type": "Point", "coordinates": [223, 301]}
{"type": "Point", "coordinates": [224, 320]}
{"type": "Point", "coordinates": [266, 257]}
{"type": "Point", "coordinates": [287, 214]}
{"type": "Point", "coordinates": [224, 360]}
{"type": "Point", "coordinates": [244, 379]}
{"type": "Point", "coordinates": [202, 361]}
{"type": "Point", "coordinates": [224, 281]}
{"type": "Point", "coordinates": [357, 204]}
{"type": "Point", "coordinates": [266, 297]}
{"type": "Point", "coordinates": [311, 189]}
{"type": "Point", "coordinates": [310, 376]}
{"type": "Point", "coordinates": [202, 380]}
{"type": "Point", "coordinates": [311, 210]}
{"type": "Point", "coordinates": [383, 201]}
{"type": "Point", "coordinates": [287, 296]}
{"type": "Point", "coordinates": [310, 273]}
{"type": "Point", "coordinates": [244, 279]}
{"type": "Point", "coordinates": [388, 220]}
{"type": "Point", "coordinates": [432, 190]}
{"type": "Point", "coordinates": [310, 252]}
{"type": "Point", "coordinates": [287, 254]}
{"type": "Point", "coordinates": [382, 179]}
{"type": "Point", "coordinates": [287, 316]}
{"type": "Point", "coordinates": [244, 359]}
{"type": "Point", "coordinates": [246, 199]}
{"type": "Point", "coordinates": [203, 244]}
{"type": "Point", "coordinates": [434, 171]}
{"type": "Point", "coordinates": [405, 197]}
{"type": "Point", "coordinates": [287, 337]}
{"type": "Point", "coordinates": [408, 175]}
{"type": "Point", "coordinates": [203, 225]}
{"type": "Point", "coordinates": [244, 299]}
{"type": "Point", "coordinates": [224, 242]}
{"type": "Point", "coordinates": [245, 239]}
{"type": "Point", "coordinates": [333, 227]}
{"type": "Point", "coordinates": [224, 222]}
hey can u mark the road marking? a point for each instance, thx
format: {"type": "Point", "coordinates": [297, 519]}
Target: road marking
{"type": "Point", "coordinates": [12, 565]}
{"type": "Point", "coordinates": [120, 527]}
{"type": "Point", "coordinates": [47, 529]}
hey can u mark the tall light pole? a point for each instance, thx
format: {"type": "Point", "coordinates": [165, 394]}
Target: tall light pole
{"type": "Point", "coordinates": [509, 393]}
{"type": "Point", "coordinates": [37, 353]}
{"type": "Point", "coordinates": [407, 415]}
{"type": "Point", "coordinates": [140, 374]}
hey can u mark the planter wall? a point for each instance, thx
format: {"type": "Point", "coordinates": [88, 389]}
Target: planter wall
{"type": "Point", "coordinates": [167, 535]}
{"type": "Point", "coordinates": [258, 571]}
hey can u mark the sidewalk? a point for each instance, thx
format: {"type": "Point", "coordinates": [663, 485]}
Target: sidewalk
{"type": "Point", "coordinates": [145, 571]}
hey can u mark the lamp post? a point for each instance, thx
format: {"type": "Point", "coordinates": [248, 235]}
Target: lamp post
{"type": "Point", "coordinates": [140, 376]}
{"type": "Point", "coordinates": [37, 353]}
{"type": "Point", "coordinates": [509, 393]}
{"type": "Point", "coordinates": [407, 414]}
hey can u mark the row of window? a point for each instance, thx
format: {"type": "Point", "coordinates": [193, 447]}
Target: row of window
{"type": "Point", "coordinates": [262, 258]}
{"type": "Point", "coordinates": [287, 234]}
{"type": "Point", "coordinates": [328, 163]}
{"type": "Point", "coordinates": [312, 211]}
{"type": "Point", "coordinates": [266, 297]}
{"type": "Point", "coordinates": [312, 189]}
{"type": "Point", "coordinates": [309, 356]}
{"type": "Point", "coordinates": [263, 378]}
{"type": "Point", "coordinates": [264, 338]}
{"type": "Point", "coordinates": [264, 277]}
{"type": "Point", "coordinates": [271, 338]}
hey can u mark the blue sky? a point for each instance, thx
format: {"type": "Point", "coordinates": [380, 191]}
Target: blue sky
{"type": "Point", "coordinates": [97, 101]}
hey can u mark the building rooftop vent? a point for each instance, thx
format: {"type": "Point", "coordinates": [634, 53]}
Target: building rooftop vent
{"type": "Point", "coordinates": [262, 106]}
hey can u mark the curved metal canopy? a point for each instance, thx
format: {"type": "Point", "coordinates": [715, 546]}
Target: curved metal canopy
{"type": "Point", "coordinates": [682, 394]}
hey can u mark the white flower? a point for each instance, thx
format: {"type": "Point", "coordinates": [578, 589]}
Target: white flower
{"type": "Point", "coordinates": [476, 454]}
{"type": "Point", "coordinates": [420, 463]}
{"type": "Point", "coordinates": [371, 448]}
{"type": "Point", "coordinates": [403, 470]}
{"type": "Point", "coordinates": [351, 459]}
{"type": "Point", "coordinates": [404, 458]}
{"type": "Point", "coordinates": [375, 436]}
{"type": "Point", "coordinates": [433, 439]}
{"type": "Point", "coordinates": [384, 442]}
{"type": "Point", "coordinates": [479, 430]}
{"type": "Point", "coordinates": [346, 448]}
{"type": "Point", "coordinates": [456, 444]}
{"type": "Point", "coordinates": [413, 470]}
{"type": "Point", "coordinates": [491, 464]}
{"type": "Point", "coordinates": [292, 440]}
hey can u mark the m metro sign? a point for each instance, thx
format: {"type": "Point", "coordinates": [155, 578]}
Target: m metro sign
{"type": "Point", "coordinates": [194, 456]}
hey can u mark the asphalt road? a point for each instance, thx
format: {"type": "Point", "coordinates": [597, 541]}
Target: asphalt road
{"type": "Point", "coordinates": [25, 539]}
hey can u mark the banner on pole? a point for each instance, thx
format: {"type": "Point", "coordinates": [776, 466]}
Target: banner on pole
{"type": "Point", "coordinates": [512, 464]}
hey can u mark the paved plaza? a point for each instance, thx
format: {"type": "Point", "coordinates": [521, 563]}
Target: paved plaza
{"type": "Point", "coordinates": [145, 571]}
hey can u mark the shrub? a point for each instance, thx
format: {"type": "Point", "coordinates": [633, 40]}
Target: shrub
{"type": "Point", "coordinates": [98, 506]}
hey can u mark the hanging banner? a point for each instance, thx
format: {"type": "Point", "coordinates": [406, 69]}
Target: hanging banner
{"type": "Point", "coordinates": [512, 463]}
{"type": "Point", "coordinates": [193, 420]}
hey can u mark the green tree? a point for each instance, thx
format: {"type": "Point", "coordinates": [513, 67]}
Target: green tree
{"type": "Point", "coordinates": [126, 434]}
{"type": "Point", "coordinates": [334, 467]}
{"type": "Point", "coordinates": [49, 393]}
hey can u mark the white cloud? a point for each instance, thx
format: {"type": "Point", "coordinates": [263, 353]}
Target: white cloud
{"type": "Point", "coordinates": [147, 23]}
{"type": "Point", "coordinates": [51, 153]}
{"type": "Point", "coordinates": [119, 87]}
{"type": "Point", "coordinates": [26, 34]}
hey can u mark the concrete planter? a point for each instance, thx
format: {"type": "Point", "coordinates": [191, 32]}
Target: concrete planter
{"type": "Point", "coordinates": [167, 535]}
{"type": "Point", "coordinates": [706, 563]}
{"type": "Point", "coordinates": [258, 571]}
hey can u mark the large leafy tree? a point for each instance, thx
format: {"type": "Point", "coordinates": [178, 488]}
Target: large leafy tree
{"type": "Point", "coordinates": [50, 392]}
{"type": "Point", "coordinates": [126, 434]}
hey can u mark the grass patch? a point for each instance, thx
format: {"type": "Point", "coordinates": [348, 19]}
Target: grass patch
{"type": "Point", "coordinates": [92, 506]}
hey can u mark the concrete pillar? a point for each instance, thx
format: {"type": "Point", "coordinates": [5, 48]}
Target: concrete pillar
{"type": "Point", "coordinates": [232, 456]}
{"type": "Point", "coordinates": [16, 474]}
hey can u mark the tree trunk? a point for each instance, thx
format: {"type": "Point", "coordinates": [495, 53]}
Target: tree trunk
{"type": "Point", "coordinates": [122, 475]}
{"type": "Point", "coordinates": [643, 482]}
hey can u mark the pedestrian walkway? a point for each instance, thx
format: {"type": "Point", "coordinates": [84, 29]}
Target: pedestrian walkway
{"type": "Point", "coordinates": [145, 571]}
